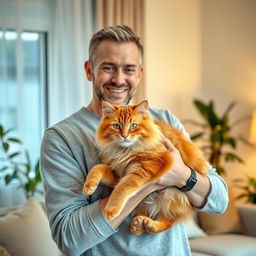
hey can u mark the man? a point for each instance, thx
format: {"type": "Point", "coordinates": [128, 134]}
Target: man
{"type": "Point", "coordinates": [68, 153]}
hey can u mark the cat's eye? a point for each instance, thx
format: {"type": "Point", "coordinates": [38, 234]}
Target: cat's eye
{"type": "Point", "coordinates": [133, 126]}
{"type": "Point", "coordinates": [117, 126]}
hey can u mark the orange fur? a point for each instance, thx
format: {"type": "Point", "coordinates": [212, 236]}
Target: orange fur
{"type": "Point", "coordinates": [131, 149]}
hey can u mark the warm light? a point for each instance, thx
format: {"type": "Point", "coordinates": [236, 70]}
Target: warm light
{"type": "Point", "coordinates": [253, 129]}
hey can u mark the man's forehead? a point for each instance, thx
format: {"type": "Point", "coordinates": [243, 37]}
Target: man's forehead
{"type": "Point", "coordinates": [109, 63]}
{"type": "Point", "coordinates": [117, 52]}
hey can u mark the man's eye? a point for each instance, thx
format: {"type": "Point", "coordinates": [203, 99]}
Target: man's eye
{"type": "Point", "coordinates": [117, 126]}
{"type": "Point", "coordinates": [130, 70]}
{"type": "Point", "coordinates": [108, 68]}
{"type": "Point", "coordinates": [133, 126]}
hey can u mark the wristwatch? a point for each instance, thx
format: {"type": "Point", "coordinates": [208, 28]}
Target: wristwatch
{"type": "Point", "coordinates": [191, 182]}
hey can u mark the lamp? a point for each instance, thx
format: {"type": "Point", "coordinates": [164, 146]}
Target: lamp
{"type": "Point", "coordinates": [252, 137]}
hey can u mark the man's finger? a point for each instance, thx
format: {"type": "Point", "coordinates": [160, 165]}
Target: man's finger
{"type": "Point", "coordinates": [168, 144]}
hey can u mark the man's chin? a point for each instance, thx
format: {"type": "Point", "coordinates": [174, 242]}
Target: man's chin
{"type": "Point", "coordinates": [117, 101]}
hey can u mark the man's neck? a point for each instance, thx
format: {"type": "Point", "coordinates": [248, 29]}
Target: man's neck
{"type": "Point", "coordinates": [94, 108]}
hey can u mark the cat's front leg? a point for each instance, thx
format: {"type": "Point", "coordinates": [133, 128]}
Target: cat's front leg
{"type": "Point", "coordinates": [100, 172]}
{"type": "Point", "coordinates": [126, 188]}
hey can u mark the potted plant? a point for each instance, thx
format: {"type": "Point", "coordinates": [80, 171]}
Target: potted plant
{"type": "Point", "coordinates": [17, 165]}
{"type": "Point", "coordinates": [217, 134]}
{"type": "Point", "coordinates": [249, 189]}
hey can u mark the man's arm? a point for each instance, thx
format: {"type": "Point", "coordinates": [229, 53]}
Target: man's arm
{"type": "Point", "coordinates": [210, 193]}
{"type": "Point", "coordinates": [204, 194]}
{"type": "Point", "coordinates": [77, 224]}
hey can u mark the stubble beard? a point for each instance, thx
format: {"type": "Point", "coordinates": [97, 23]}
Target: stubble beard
{"type": "Point", "coordinates": [101, 96]}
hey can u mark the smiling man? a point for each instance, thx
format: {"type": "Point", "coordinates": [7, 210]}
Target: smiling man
{"type": "Point", "coordinates": [115, 70]}
{"type": "Point", "coordinates": [69, 152]}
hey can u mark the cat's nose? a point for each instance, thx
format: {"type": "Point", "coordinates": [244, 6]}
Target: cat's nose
{"type": "Point", "coordinates": [125, 136]}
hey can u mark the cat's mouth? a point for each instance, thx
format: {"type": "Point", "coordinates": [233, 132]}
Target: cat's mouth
{"type": "Point", "coordinates": [126, 143]}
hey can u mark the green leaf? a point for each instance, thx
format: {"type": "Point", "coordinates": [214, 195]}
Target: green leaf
{"type": "Point", "coordinates": [229, 108]}
{"type": "Point", "coordinates": [15, 140]}
{"type": "Point", "coordinates": [7, 179]}
{"type": "Point", "coordinates": [207, 112]}
{"type": "Point", "coordinates": [232, 157]}
{"type": "Point", "coordinates": [241, 196]}
{"type": "Point", "coordinates": [5, 146]}
{"type": "Point", "coordinates": [220, 170]}
{"type": "Point", "coordinates": [252, 181]}
{"type": "Point", "coordinates": [4, 168]}
{"type": "Point", "coordinates": [14, 154]}
{"type": "Point", "coordinates": [230, 141]}
{"type": "Point", "coordinates": [1, 131]}
{"type": "Point", "coordinates": [28, 163]}
{"type": "Point", "coordinates": [197, 135]}
{"type": "Point", "coordinates": [37, 171]}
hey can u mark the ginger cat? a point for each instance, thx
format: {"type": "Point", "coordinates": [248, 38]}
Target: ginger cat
{"type": "Point", "coordinates": [131, 148]}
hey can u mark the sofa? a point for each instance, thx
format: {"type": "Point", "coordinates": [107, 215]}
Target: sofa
{"type": "Point", "coordinates": [228, 234]}
{"type": "Point", "coordinates": [24, 231]}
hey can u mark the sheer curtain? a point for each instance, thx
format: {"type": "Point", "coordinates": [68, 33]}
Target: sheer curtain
{"type": "Point", "coordinates": [69, 89]}
{"type": "Point", "coordinates": [123, 12]}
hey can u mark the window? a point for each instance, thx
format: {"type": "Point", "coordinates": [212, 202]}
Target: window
{"type": "Point", "coordinates": [23, 79]}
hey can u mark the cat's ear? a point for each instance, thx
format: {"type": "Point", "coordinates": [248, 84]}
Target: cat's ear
{"type": "Point", "coordinates": [107, 108]}
{"type": "Point", "coordinates": [142, 107]}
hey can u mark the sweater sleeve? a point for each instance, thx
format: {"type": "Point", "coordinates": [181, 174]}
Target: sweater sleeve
{"type": "Point", "coordinates": [217, 200]}
{"type": "Point", "coordinates": [77, 224]}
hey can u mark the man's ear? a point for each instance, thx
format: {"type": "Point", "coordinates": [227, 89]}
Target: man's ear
{"type": "Point", "coordinates": [141, 71]}
{"type": "Point", "coordinates": [88, 70]}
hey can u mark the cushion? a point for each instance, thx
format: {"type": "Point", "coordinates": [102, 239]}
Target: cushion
{"type": "Point", "coordinates": [225, 245]}
{"type": "Point", "coordinates": [26, 232]}
{"type": "Point", "coordinates": [3, 251]}
{"type": "Point", "coordinates": [228, 222]}
{"type": "Point", "coordinates": [193, 230]}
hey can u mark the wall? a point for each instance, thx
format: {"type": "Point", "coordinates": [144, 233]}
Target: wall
{"type": "Point", "coordinates": [172, 53]}
{"type": "Point", "coordinates": [228, 39]}
{"type": "Point", "coordinates": [204, 49]}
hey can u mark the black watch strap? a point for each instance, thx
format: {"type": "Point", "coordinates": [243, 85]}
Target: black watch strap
{"type": "Point", "coordinates": [191, 182]}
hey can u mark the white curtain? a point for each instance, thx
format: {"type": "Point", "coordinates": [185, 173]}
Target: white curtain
{"type": "Point", "coordinates": [73, 26]}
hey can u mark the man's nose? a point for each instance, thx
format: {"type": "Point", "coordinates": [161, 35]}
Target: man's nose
{"type": "Point", "coordinates": [118, 77]}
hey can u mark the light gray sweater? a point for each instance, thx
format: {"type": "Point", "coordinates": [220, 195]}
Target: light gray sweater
{"type": "Point", "coordinates": [67, 154]}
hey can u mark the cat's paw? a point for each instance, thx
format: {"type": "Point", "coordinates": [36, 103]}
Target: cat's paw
{"type": "Point", "coordinates": [89, 187]}
{"type": "Point", "coordinates": [150, 226]}
{"type": "Point", "coordinates": [111, 212]}
{"type": "Point", "coordinates": [137, 226]}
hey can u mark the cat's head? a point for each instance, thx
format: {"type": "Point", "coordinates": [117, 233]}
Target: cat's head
{"type": "Point", "coordinates": [127, 126]}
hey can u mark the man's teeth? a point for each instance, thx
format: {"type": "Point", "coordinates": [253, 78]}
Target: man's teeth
{"type": "Point", "coordinates": [117, 90]}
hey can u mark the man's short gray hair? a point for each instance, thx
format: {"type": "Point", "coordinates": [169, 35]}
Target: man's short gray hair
{"type": "Point", "coordinates": [118, 34]}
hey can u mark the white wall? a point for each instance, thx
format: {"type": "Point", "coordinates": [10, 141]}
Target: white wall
{"type": "Point", "coordinates": [203, 49]}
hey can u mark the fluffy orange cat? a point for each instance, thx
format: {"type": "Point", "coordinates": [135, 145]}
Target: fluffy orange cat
{"type": "Point", "coordinates": [131, 148]}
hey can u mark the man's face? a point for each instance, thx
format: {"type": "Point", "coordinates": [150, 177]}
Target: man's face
{"type": "Point", "coordinates": [116, 72]}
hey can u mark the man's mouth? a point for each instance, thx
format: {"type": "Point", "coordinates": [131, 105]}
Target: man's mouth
{"type": "Point", "coordinates": [116, 90]}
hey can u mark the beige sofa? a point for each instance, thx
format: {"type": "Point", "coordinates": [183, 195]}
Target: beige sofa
{"type": "Point", "coordinates": [235, 236]}
{"type": "Point", "coordinates": [24, 231]}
